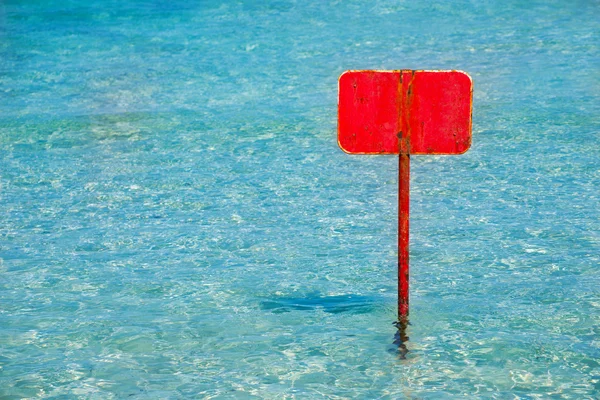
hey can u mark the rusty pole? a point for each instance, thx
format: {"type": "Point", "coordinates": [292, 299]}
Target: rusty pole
{"type": "Point", "coordinates": [403, 225]}
{"type": "Point", "coordinates": [405, 91]}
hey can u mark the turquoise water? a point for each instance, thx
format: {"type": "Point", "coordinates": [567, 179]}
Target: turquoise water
{"type": "Point", "coordinates": [177, 220]}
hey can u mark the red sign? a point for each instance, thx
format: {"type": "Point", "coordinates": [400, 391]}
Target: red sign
{"type": "Point", "coordinates": [404, 112]}
{"type": "Point", "coordinates": [430, 109]}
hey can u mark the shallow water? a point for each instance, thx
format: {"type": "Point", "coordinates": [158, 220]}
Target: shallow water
{"type": "Point", "coordinates": [177, 220]}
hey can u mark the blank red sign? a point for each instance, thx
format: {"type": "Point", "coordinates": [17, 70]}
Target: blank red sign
{"type": "Point", "coordinates": [416, 112]}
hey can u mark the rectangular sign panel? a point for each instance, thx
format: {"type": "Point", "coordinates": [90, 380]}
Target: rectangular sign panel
{"type": "Point", "coordinates": [414, 112]}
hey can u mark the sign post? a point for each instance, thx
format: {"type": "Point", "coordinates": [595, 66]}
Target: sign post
{"type": "Point", "coordinates": [404, 112]}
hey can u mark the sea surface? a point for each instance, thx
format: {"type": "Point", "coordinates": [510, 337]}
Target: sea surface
{"type": "Point", "coordinates": [177, 220]}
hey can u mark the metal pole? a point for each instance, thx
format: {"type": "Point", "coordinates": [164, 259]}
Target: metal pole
{"type": "Point", "coordinates": [403, 220]}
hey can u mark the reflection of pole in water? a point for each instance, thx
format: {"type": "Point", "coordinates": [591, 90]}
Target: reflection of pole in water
{"type": "Point", "coordinates": [400, 338]}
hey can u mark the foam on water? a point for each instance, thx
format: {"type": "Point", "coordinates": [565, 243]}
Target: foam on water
{"type": "Point", "coordinates": [177, 220]}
